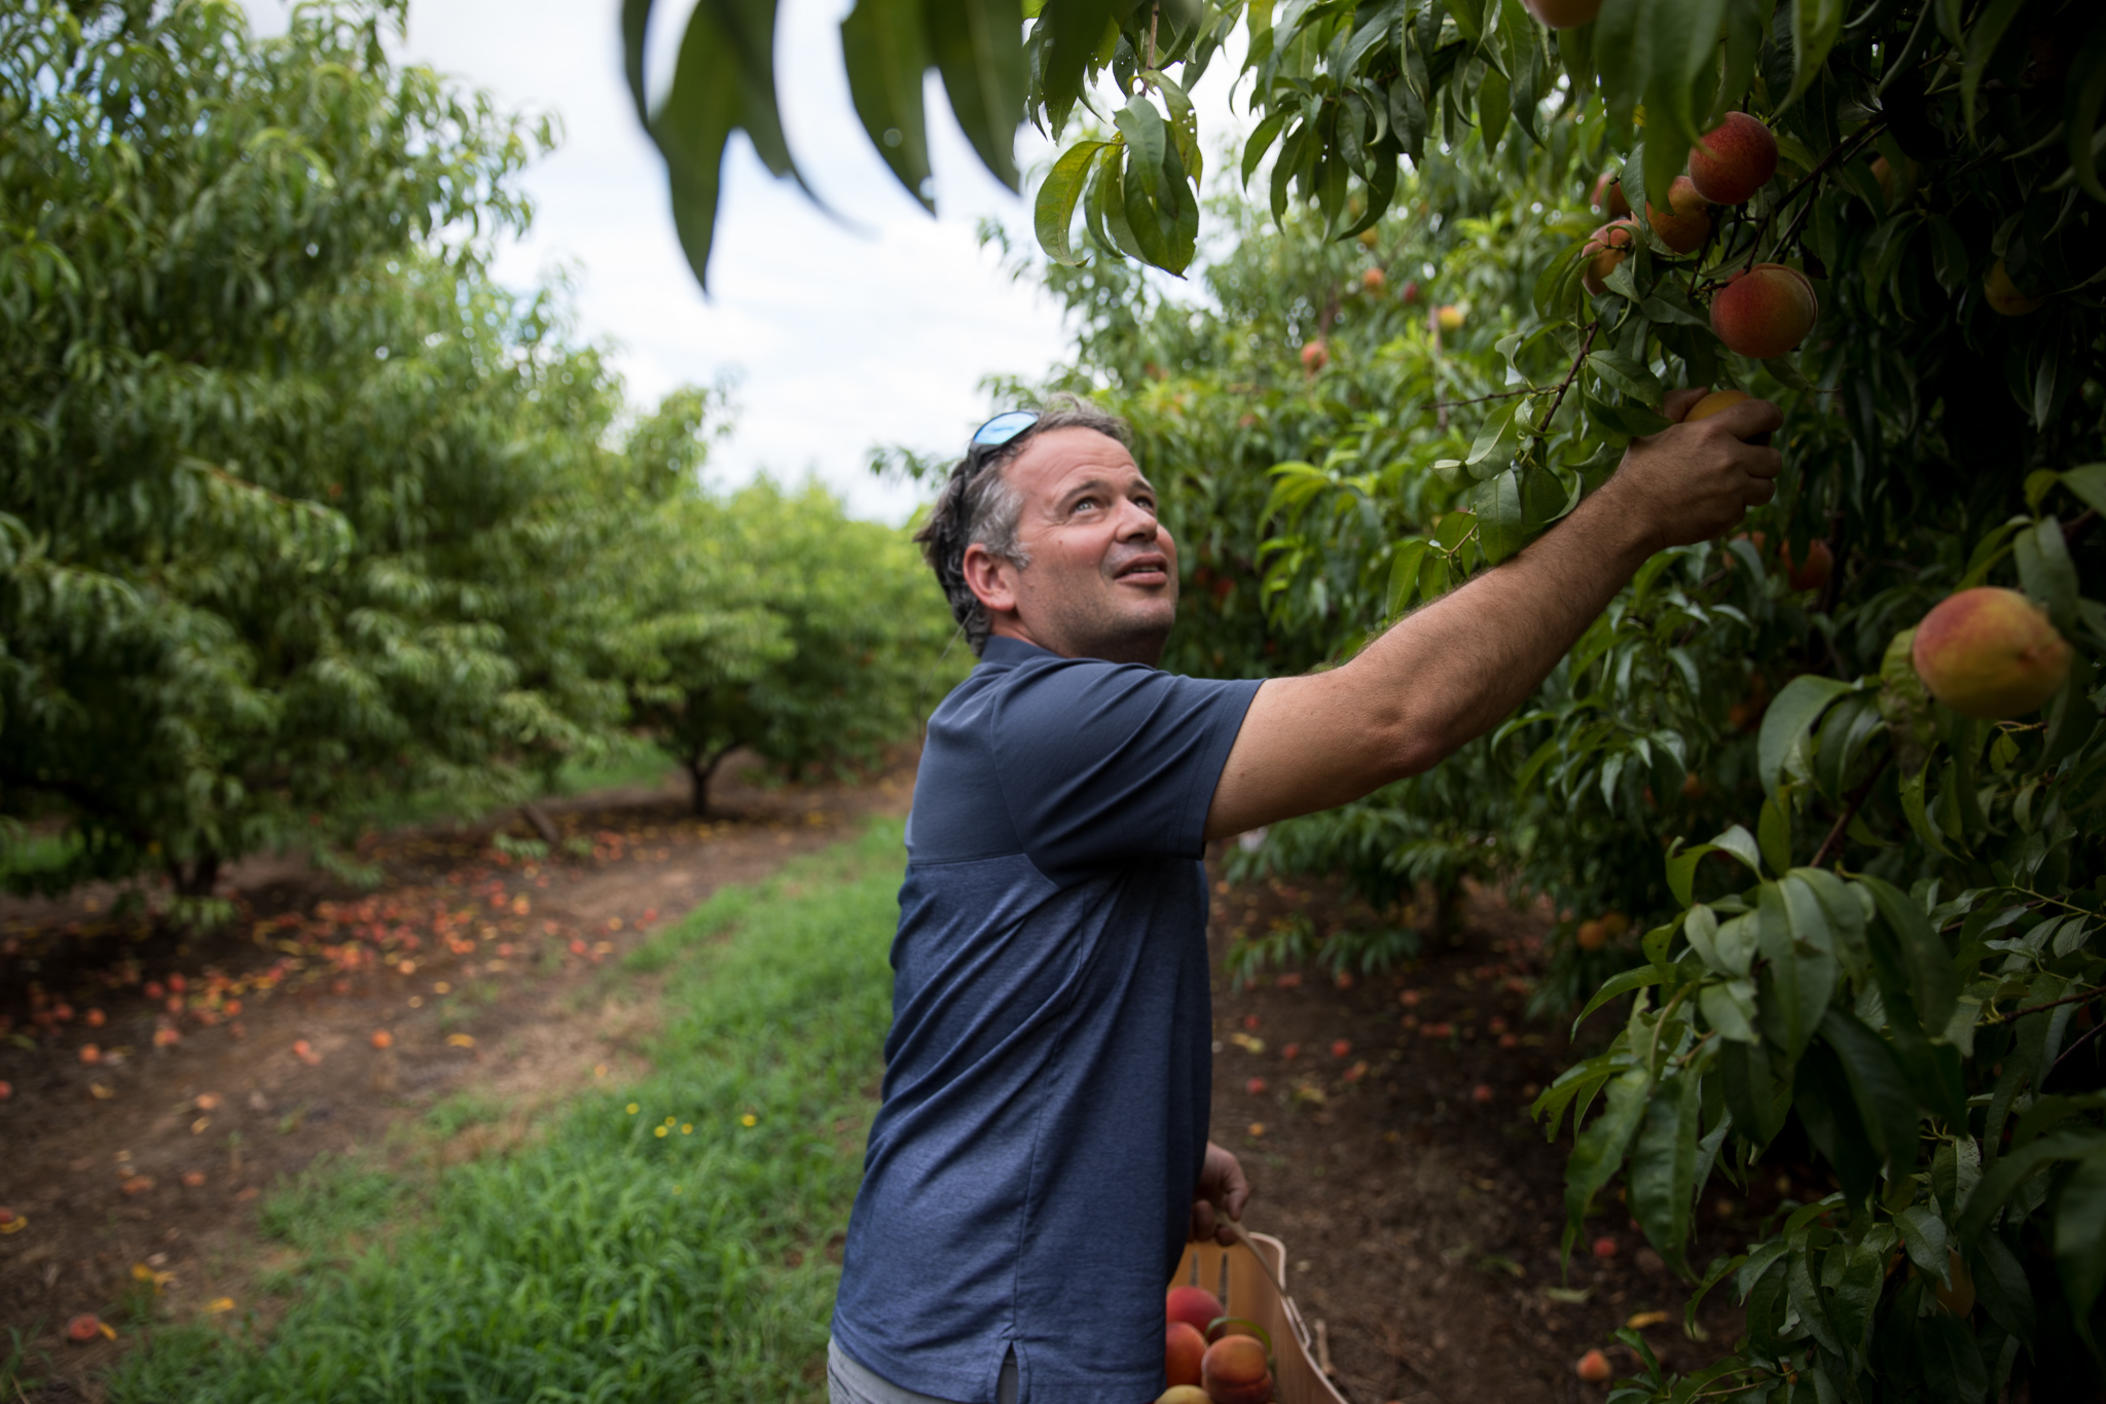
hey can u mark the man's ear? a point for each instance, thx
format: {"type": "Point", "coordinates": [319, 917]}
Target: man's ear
{"type": "Point", "coordinates": [991, 579]}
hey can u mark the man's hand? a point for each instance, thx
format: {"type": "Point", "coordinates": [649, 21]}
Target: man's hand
{"type": "Point", "coordinates": [1222, 1191]}
{"type": "Point", "coordinates": [1692, 482]}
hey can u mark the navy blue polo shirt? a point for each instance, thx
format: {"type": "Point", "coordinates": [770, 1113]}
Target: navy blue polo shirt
{"type": "Point", "coordinates": [1031, 1170]}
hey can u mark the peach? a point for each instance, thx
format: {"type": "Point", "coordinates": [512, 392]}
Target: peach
{"type": "Point", "coordinates": [1606, 247]}
{"type": "Point", "coordinates": [1813, 572]}
{"type": "Point", "coordinates": [1592, 935]}
{"type": "Point", "coordinates": [1608, 196]}
{"type": "Point", "coordinates": [1714, 402]}
{"type": "Point", "coordinates": [1184, 1345]}
{"type": "Point", "coordinates": [1195, 1306]}
{"type": "Point", "coordinates": [1733, 160]}
{"type": "Point", "coordinates": [1315, 356]}
{"type": "Point", "coordinates": [2003, 295]}
{"type": "Point", "coordinates": [1374, 280]}
{"type": "Point", "coordinates": [1686, 222]}
{"type": "Point", "coordinates": [1990, 653]}
{"type": "Point", "coordinates": [1450, 318]}
{"type": "Point", "coordinates": [1765, 311]}
{"type": "Point", "coordinates": [1564, 14]}
{"type": "Point", "coordinates": [1234, 1371]}
{"type": "Point", "coordinates": [1593, 1367]}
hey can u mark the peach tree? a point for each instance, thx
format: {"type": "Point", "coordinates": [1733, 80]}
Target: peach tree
{"type": "Point", "coordinates": [300, 508]}
{"type": "Point", "coordinates": [1848, 809]}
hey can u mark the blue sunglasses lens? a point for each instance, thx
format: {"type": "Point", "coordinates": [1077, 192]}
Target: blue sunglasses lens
{"type": "Point", "coordinates": [1003, 427]}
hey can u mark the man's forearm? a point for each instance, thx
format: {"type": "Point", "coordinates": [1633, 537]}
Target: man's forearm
{"type": "Point", "coordinates": [1459, 665]}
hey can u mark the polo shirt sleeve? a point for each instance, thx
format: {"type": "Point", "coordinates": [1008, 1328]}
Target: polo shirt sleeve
{"type": "Point", "coordinates": [1102, 763]}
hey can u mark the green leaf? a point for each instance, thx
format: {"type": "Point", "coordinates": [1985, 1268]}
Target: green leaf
{"type": "Point", "coordinates": [1663, 1179]}
{"type": "Point", "coordinates": [636, 21]}
{"type": "Point", "coordinates": [1729, 1007]}
{"type": "Point", "coordinates": [1788, 720]}
{"type": "Point", "coordinates": [1681, 871]}
{"type": "Point", "coordinates": [701, 109]}
{"type": "Point", "coordinates": [1758, 1098]}
{"type": "Point", "coordinates": [2080, 1227]}
{"type": "Point", "coordinates": [1622, 983]}
{"type": "Point", "coordinates": [979, 50]}
{"type": "Point", "coordinates": [1501, 530]}
{"type": "Point", "coordinates": [1795, 983]}
{"type": "Point", "coordinates": [2083, 98]}
{"type": "Point", "coordinates": [1983, 36]}
{"type": "Point", "coordinates": [1404, 574]}
{"type": "Point", "coordinates": [1597, 1152]}
{"type": "Point", "coordinates": [1815, 25]}
{"type": "Point", "coordinates": [1884, 1102]}
{"type": "Point", "coordinates": [2015, 1166]}
{"type": "Point", "coordinates": [1147, 138]}
{"type": "Point", "coordinates": [1923, 1235]}
{"type": "Point", "coordinates": [1932, 984]}
{"type": "Point", "coordinates": [881, 43]}
{"type": "Point", "coordinates": [1773, 831]}
{"type": "Point", "coordinates": [1053, 213]}
{"type": "Point", "coordinates": [1073, 31]}
{"type": "Point", "coordinates": [2088, 482]}
{"type": "Point", "coordinates": [1493, 100]}
{"type": "Point", "coordinates": [2046, 571]}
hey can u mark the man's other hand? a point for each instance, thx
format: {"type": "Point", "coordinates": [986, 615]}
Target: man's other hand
{"type": "Point", "coordinates": [1220, 1197]}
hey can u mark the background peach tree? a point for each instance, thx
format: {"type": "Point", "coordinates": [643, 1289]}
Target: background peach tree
{"type": "Point", "coordinates": [301, 511]}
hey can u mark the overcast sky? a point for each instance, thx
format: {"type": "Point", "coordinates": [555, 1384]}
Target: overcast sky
{"type": "Point", "coordinates": [838, 340]}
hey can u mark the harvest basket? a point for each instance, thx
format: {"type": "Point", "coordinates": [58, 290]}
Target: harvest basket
{"type": "Point", "coordinates": [1250, 1277]}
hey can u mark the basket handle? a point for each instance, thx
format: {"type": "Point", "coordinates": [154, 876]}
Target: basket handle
{"type": "Point", "coordinates": [1277, 1281]}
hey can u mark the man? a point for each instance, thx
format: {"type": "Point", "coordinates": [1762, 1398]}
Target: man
{"type": "Point", "coordinates": [1041, 1154]}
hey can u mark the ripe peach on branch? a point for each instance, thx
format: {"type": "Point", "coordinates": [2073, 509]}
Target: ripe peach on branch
{"type": "Point", "coordinates": [1605, 248]}
{"type": "Point", "coordinates": [1608, 196]}
{"type": "Point", "coordinates": [1733, 160]}
{"type": "Point", "coordinates": [1765, 311]}
{"type": "Point", "coordinates": [1990, 653]}
{"type": "Point", "coordinates": [1686, 222]}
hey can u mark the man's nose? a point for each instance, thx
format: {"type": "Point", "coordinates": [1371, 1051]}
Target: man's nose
{"type": "Point", "coordinates": [1138, 522]}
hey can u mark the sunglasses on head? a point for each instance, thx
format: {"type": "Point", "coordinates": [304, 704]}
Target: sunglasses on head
{"type": "Point", "coordinates": [1003, 427]}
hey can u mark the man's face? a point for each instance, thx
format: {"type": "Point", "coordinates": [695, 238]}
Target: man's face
{"type": "Point", "coordinates": [1102, 582]}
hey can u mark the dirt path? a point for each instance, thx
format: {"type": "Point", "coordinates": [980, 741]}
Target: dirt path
{"type": "Point", "coordinates": [142, 1129]}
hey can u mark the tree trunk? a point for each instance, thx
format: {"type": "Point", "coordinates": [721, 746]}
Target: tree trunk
{"type": "Point", "coordinates": [195, 877]}
{"type": "Point", "coordinates": [699, 773]}
{"type": "Point", "coordinates": [531, 812]}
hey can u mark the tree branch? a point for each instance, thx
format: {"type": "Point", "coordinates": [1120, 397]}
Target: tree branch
{"type": "Point", "coordinates": [1586, 345]}
{"type": "Point", "coordinates": [1857, 802]}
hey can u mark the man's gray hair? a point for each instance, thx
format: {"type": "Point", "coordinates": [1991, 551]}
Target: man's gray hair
{"type": "Point", "coordinates": [980, 504]}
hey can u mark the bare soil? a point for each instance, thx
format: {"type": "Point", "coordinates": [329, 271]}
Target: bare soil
{"type": "Point", "coordinates": [1383, 1119]}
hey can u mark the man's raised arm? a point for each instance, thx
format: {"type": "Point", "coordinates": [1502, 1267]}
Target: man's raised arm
{"type": "Point", "coordinates": [1454, 669]}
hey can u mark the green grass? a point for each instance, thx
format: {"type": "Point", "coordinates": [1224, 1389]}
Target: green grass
{"type": "Point", "coordinates": [603, 1262]}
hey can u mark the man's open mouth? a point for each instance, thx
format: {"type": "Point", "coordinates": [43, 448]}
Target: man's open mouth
{"type": "Point", "coordinates": [1147, 570]}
